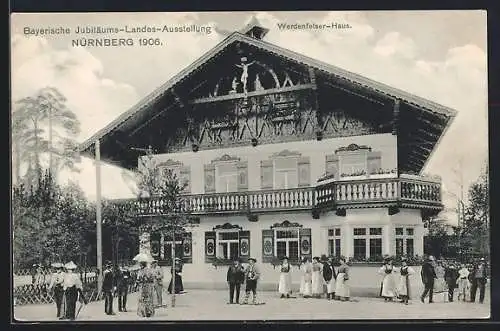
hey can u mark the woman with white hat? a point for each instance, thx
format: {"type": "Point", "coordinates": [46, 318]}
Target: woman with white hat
{"type": "Point", "coordinates": [72, 285]}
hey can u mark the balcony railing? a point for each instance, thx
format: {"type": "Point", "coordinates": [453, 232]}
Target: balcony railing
{"type": "Point", "coordinates": [411, 192]}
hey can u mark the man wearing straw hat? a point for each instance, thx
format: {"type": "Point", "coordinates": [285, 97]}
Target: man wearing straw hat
{"type": "Point", "coordinates": [56, 284]}
{"type": "Point", "coordinates": [72, 285]}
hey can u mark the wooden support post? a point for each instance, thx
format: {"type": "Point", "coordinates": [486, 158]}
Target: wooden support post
{"type": "Point", "coordinates": [98, 214]}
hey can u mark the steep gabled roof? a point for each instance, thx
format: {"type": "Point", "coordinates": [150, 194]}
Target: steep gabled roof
{"type": "Point", "coordinates": [239, 37]}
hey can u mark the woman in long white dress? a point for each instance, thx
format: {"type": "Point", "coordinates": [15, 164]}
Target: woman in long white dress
{"type": "Point", "coordinates": [317, 278]}
{"type": "Point", "coordinates": [306, 279]}
{"type": "Point", "coordinates": [285, 283]}
{"type": "Point", "coordinates": [342, 291]}
{"type": "Point", "coordinates": [388, 285]}
{"type": "Point", "coordinates": [404, 288]}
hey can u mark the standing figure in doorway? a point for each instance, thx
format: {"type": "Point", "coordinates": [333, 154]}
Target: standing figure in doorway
{"type": "Point", "coordinates": [428, 275]}
{"type": "Point", "coordinates": [317, 278]}
{"type": "Point", "coordinates": [244, 74]}
{"type": "Point", "coordinates": [342, 291]}
{"type": "Point", "coordinates": [252, 275]}
{"type": "Point", "coordinates": [285, 282]}
{"type": "Point", "coordinates": [388, 285]}
{"type": "Point", "coordinates": [329, 276]}
{"type": "Point", "coordinates": [404, 288]}
{"type": "Point", "coordinates": [56, 284]}
{"type": "Point", "coordinates": [158, 272]}
{"type": "Point", "coordinates": [72, 286]}
{"type": "Point", "coordinates": [176, 272]}
{"type": "Point", "coordinates": [235, 277]}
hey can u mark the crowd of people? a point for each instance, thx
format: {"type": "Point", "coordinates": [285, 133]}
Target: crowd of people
{"type": "Point", "coordinates": [67, 288]}
{"type": "Point", "coordinates": [323, 277]}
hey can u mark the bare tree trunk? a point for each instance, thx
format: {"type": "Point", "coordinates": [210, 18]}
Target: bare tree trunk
{"type": "Point", "coordinates": [50, 140]}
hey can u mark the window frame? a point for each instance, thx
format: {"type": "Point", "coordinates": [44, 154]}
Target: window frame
{"type": "Point", "coordinates": [344, 155]}
{"type": "Point", "coordinates": [404, 237]}
{"type": "Point", "coordinates": [218, 241]}
{"type": "Point", "coordinates": [286, 171]}
{"type": "Point", "coordinates": [333, 239]}
{"type": "Point", "coordinates": [218, 176]}
{"type": "Point", "coordinates": [367, 236]}
{"type": "Point", "coordinates": [287, 241]}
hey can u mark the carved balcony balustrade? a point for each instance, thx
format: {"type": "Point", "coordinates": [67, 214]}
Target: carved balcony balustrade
{"type": "Point", "coordinates": [367, 192]}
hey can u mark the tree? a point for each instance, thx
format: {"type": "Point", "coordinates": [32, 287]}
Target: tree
{"type": "Point", "coordinates": [475, 232]}
{"type": "Point", "coordinates": [172, 215]}
{"type": "Point", "coordinates": [437, 239]}
{"type": "Point", "coordinates": [29, 118]}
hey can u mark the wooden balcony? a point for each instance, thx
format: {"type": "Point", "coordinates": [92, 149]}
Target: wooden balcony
{"type": "Point", "coordinates": [406, 192]}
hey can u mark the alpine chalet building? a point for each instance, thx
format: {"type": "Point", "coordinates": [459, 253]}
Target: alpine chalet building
{"type": "Point", "coordinates": [282, 155]}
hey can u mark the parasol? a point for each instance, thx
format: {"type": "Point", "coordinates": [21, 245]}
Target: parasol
{"type": "Point", "coordinates": [143, 257]}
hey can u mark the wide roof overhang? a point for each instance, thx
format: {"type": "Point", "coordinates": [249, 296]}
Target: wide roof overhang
{"type": "Point", "coordinates": [421, 123]}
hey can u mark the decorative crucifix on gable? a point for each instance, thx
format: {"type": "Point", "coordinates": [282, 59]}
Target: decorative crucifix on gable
{"type": "Point", "coordinates": [244, 74]}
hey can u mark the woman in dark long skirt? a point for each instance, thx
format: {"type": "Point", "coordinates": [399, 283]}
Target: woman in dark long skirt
{"type": "Point", "coordinates": [179, 287]}
{"type": "Point", "coordinates": [72, 286]}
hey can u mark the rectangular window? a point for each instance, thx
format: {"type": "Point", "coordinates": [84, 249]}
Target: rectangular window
{"type": "Point", "coordinates": [375, 247]}
{"type": "Point", "coordinates": [286, 174]}
{"type": "Point", "coordinates": [227, 177]}
{"type": "Point", "coordinates": [409, 247]}
{"type": "Point", "coordinates": [375, 231]}
{"type": "Point", "coordinates": [331, 232]}
{"type": "Point", "coordinates": [287, 244]}
{"type": "Point", "coordinates": [399, 231]}
{"type": "Point", "coordinates": [353, 163]}
{"type": "Point", "coordinates": [409, 231]}
{"type": "Point", "coordinates": [337, 248]}
{"type": "Point", "coordinates": [360, 231]}
{"type": "Point", "coordinates": [337, 232]}
{"type": "Point", "coordinates": [399, 247]}
{"type": "Point", "coordinates": [360, 248]}
{"type": "Point", "coordinates": [228, 246]}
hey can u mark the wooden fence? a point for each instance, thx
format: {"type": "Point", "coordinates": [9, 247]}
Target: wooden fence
{"type": "Point", "coordinates": [40, 294]}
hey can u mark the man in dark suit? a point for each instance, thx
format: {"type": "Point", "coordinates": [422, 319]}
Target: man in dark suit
{"type": "Point", "coordinates": [478, 278]}
{"type": "Point", "coordinates": [329, 276]}
{"type": "Point", "coordinates": [108, 288]}
{"type": "Point", "coordinates": [123, 282]}
{"type": "Point", "coordinates": [451, 277]}
{"type": "Point", "coordinates": [235, 277]}
{"type": "Point", "coordinates": [428, 275]}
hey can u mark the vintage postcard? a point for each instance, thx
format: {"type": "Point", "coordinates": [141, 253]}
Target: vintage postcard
{"type": "Point", "coordinates": [249, 166]}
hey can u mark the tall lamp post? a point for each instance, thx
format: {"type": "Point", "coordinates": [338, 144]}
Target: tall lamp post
{"type": "Point", "coordinates": [98, 214]}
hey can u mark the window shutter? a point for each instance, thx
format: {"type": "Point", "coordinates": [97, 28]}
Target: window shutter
{"type": "Point", "coordinates": [186, 178]}
{"type": "Point", "coordinates": [242, 175]}
{"type": "Point", "coordinates": [374, 162]}
{"type": "Point", "coordinates": [187, 248]}
{"type": "Point", "coordinates": [305, 243]}
{"type": "Point", "coordinates": [267, 246]}
{"type": "Point", "coordinates": [244, 245]}
{"type": "Point", "coordinates": [209, 246]}
{"type": "Point", "coordinates": [266, 174]}
{"type": "Point", "coordinates": [332, 165]}
{"type": "Point", "coordinates": [304, 170]}
{"type": "Point", "coordinates": [209, 178]}
{"type": "Point", "coordinates": [155, 245]}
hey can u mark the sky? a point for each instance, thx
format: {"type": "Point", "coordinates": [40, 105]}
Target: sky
{"type": "Point", "coordinates": [438, 55]}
